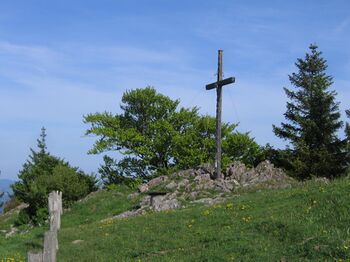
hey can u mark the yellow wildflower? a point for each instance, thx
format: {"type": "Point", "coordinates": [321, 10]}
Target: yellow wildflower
{"type": "Point", "coordinates": [247, 219]}
{"type": "Point", "coordinates": [206, 213]}
{"type": "Point", "coordinates": [229, 206]}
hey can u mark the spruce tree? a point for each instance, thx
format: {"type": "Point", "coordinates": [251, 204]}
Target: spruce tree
{"type": "Point", "coordinates": [347, 133]}
{"type": "Point", "coordinates": [1, 196]}
{"type": "Point", "coordinates": [43, 173]}
{"type": "Point", "coordinates": [313, 119]}
{"type": "Point", "coordinates": [40, 163]}
{"type": "Point", "coordinates": [1, 202]}
{"type": "Point", "coordinates": [347, 127]}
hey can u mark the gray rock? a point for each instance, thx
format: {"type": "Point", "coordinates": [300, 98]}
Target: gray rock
{"type": "Point", "coordinates": [209, 201]}
{"type": "Point", "coordinates": [265, 166]}
{"type": "Point", "coordinates": [133, 196]}
{"type": "Point", "coordinates": [322, 180]}
{"type": "Point", "coordinates": [189, 187]}
{"type": "Point", "coordinates": [156, 181]}
{"type": "Point", "coordinates": [193, 195]}
{"type": "Point", "coordinates": [234, 183]}
{"type": "Point", "coordinates": [143, 188]}
{"type": "Point", "coordinates": [172, 195]}
{"type": "Point", "coordinates": [152, 183]}
{"type": "Point", "coordinates": [13, 231]}
{"type": "Point", "coordinates": [223, 185]}
{"type": "Point", "coordinates": [161, 203]}
{"type": "Point", "coordinates": [172, 185]}
{"type": "Point", "coordinates": [236, 170]}
{"type": "Point", "coordinates": [206, 169]}
{"type": "Point", "coordinates": [186, 173]}
{"type": "Point", "coordinates": [248, 177]}
{"type": "Point", "coordinates": [202, 178]}
{"type": "Point", "coordinates": [146, 201]}
{"type": "Point", "coordinates": [183, 183]}
{"type": "Point", "coordinates": [239, 175]}
{"type": "Point", "coordinates": [204, 182]}
{"type": "Point", "coordinates": [131, 213]}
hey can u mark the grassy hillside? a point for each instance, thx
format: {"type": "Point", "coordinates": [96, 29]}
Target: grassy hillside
{"type": "Point", "coordinates": [308, 223]}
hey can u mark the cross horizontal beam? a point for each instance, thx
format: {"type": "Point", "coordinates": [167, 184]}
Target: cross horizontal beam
{"type": "Point", "coordinates": [223, 82]}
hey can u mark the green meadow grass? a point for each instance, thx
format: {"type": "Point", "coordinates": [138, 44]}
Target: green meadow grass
{"type": "Point", "coordinates": [310, 222]}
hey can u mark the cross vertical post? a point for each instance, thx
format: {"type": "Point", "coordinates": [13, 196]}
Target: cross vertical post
{"type": "Point", "coordinates": [218, 85]}
{"type": "Point", "coordinates": [218, 118]}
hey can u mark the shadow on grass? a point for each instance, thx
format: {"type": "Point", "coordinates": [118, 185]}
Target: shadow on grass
{"type": "Point", "coordinates": [33, 246]}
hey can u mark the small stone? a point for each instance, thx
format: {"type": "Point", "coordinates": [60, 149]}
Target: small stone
{"type": "Point", "coordinates": [13, 231]}
{"type": "Point", "coordinates": [209, 201]}
{"type": "Point", "coordinates": [143, 188]}
{"type": "Point", "coordinates": [322, 180]}
{"type": "Point", "coordinates": [193, 195]}
{"type": "Point", "coordinates": [78, 241]}
{"type": "Point", "coordinates": [235, 182]}
{"type": "Point", "coordinates": [130, 213]}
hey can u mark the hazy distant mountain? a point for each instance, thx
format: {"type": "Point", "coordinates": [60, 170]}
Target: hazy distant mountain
{"type": "Point", "coordinates": [5, 187]}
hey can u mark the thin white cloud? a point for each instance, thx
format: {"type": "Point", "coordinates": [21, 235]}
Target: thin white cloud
{"type": "Point", "coordinates": [38, 54]}
{"type": "Point", "coordinates": [342, 26]}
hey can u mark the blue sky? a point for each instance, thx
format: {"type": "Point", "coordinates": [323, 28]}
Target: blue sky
{"type": "Point", "coordinates": [63, 59]}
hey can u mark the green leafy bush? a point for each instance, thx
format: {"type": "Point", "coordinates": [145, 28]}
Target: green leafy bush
{"type": "Point", "coordinates": [156, 137]}
{"type": "Point", "coordinates": [22, 218]}
{"type": "Point", "coordinates": [241, 147]}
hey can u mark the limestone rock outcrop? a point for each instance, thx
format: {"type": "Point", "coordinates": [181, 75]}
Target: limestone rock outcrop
{"type": "Point", "coordinates": [197, 186]}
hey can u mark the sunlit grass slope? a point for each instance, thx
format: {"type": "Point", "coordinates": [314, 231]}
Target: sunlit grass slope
{"type": "Point", "coordinates": [308, 223]}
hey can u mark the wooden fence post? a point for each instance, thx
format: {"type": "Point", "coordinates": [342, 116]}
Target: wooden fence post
{"type": "Point", "coordinates": [50, 237]}
{"type": "Point", "coordinates": [50, 246]}
{"type": "Point", "coordinates": [35, 257]}
{"type": "Point", "coordinates": [55, 210]}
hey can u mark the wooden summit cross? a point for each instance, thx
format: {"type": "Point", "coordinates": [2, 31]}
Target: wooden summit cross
{"type": "Point", "coordinates": [218, 85]}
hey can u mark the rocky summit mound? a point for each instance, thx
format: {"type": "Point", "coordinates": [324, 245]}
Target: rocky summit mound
{"type": "Point", "coordinates": [197, 186]}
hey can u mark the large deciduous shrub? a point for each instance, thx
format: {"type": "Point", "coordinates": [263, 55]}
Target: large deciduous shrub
{"type": "Point", "coordinates": [155, 136]}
